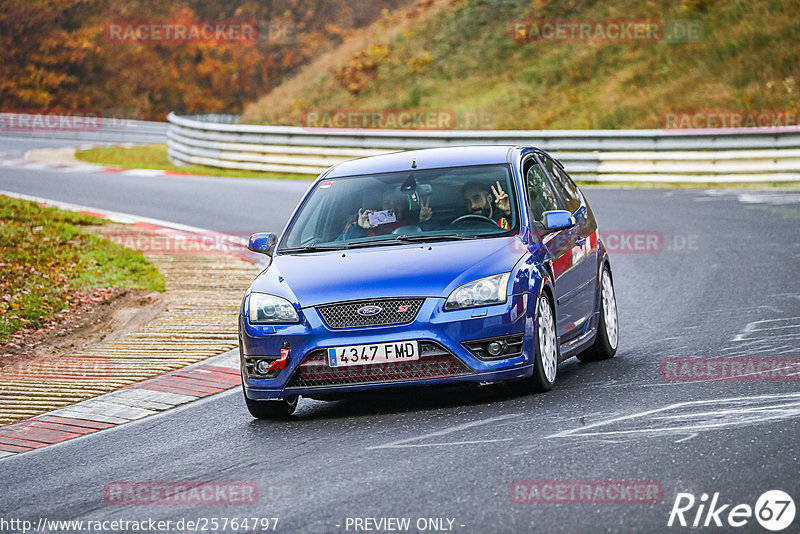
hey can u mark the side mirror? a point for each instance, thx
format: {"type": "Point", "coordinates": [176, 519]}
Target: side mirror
{"type": "Point", "coordinates": [557, 220]}
{"type": "Point", "coordinates": [263, 243]}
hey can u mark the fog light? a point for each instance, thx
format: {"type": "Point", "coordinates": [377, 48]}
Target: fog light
{"type": "Point", "coordinates": [262, 367]}
{"type": "Point", "coordinates": [496, 348]}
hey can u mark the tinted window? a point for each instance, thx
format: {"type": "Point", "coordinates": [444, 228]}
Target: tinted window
{"type": "Point", "coordinates": [541, 196]}
{"type": "Point", "coordinates": [474, 201]}
{"type": "Point", "coordinates": [564, 184]}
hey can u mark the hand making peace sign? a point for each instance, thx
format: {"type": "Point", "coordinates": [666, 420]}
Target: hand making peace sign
{"type": "Point", "coordinates": [425, 211]}
{"type": "Point", "coordinates": [501, 199]}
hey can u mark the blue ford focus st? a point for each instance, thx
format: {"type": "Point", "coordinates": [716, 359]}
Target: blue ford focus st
{"type": "Point", "coordinates": [466, 264]}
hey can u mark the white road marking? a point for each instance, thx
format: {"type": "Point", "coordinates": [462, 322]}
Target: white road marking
{"type": "Point", "coordinates": [651, 384]}
{"type": "Point", "coordinates": [755, 326]}
{"type": "Point", "coordinates": [775, 198]}
{"type": "Point", "coordinates": [749, 327]}
{"type": "Point", "coordinates": [116, 216]}
{"type": "Point", "coordinates": [410, 445]}
{"type": "Point", "coordinates": [733, 411]}
{"type": "Point", "coordinates": [793, 324]}
{"type": "Point", "coordinates": [408, 442]}
{"type": "Point", "coordinates": [143, 172]}
{"type": "Point", "coordinates": [687, 438]}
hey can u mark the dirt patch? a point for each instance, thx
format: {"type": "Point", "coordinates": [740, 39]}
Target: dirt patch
{"type": "Point", "coordinates": [100, 316]}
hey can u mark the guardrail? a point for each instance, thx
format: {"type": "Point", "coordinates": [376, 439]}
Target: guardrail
{"type": "Point", "coordinates": [744, 155]}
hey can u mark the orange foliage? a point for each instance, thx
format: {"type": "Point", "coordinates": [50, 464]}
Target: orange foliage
{"type": "Point", "coordinates": [361, 69]}
{"type": "Point", "coordinates": [56, 54]}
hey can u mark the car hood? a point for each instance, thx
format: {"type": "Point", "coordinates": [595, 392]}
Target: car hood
{"type": "Point", "coordinates": [427, 270]}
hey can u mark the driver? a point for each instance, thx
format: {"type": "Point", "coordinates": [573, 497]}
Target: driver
{"type": "Point", "coordinates": [492, 202]}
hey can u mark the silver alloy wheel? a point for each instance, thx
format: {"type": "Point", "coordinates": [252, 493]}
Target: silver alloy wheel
{"type": "Point", "coordinates": [547, 340]}
{"type": "Point", "coordinates": [610, 310]}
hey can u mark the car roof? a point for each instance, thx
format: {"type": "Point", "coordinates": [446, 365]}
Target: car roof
{"type": "Point", "coordinates": [430, 158]}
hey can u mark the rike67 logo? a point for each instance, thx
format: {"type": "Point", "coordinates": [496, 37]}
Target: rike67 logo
{"type": "Point", "coordinates": [774, 510]}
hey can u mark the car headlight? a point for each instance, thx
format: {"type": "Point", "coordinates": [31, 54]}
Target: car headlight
{"type": "Point", "coordinates": [482, 292]}
{"type": "Point", "coordinates": [267, 309]}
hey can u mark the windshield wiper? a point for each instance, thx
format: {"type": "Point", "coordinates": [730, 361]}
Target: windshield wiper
{"type": "Point", "coordinates": [399, 240]}
{"type": "Point", "coordinates": [311, 248]}
{"type": "Point", "coordinates": [343, 246]}
{"type": "Point", "coordinates": [435, 237]}
{"type": "Point", "coordinates": [379, 242]}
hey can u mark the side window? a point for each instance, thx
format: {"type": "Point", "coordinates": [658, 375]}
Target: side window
{"type": "Point", "coordinates": [541, 196]}
{"type": "Point", "coordinates": [565, 186]}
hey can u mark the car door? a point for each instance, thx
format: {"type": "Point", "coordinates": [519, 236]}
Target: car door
{"type": "Point", "coordinates": [542, 197]}
{"type": "Point", "coordinates": [582, 238]}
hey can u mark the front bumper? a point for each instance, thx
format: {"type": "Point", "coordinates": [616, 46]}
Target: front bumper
{"type": "Point", "coordinates": [443, 358]}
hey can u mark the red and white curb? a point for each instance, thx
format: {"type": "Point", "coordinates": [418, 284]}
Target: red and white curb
{"type": "Point", "coordinates": [137, 401]}
{"type": "Point", "coordinates": [89, 168]}
{"type": "Point", "coordinates": [144, 399]}
{"type": "Point", "coordinates": [26, 163]}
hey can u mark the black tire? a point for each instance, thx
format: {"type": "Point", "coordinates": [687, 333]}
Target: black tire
{"type": "Point", "coordinates": [606, 341]}
{"type": "Point", "coordinates": [538, 382]}
{"type": "Point", "coordinates": [271, 409]}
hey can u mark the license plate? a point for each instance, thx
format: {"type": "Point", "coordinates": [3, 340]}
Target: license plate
{"type": "Point", "coordinates": [399, 351]}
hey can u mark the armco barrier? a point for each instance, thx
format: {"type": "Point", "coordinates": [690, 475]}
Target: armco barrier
{"type": "Point", "coordinates": [743, 155]}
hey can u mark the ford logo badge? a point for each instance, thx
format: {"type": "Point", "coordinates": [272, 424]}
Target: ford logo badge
{"type": "Point", "coordinates": [369, 310]}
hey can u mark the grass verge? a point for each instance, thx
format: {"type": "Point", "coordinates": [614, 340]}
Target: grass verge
{"type": "Point", "coordinates": [48, 262]}
{"type": "Point", "coordinates": [155, 157]}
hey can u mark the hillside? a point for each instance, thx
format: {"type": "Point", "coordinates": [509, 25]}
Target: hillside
{"type": "Point", "coordinates": [460, 56]}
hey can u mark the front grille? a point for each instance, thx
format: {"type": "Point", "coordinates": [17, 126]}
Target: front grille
{"type": "Point", "coordinates": [392, 311]}
{"type": "Point", "coordinates": [434, 362]}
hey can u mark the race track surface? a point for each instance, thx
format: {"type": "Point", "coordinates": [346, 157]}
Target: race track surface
{"type": "Point", "coordinates": [723, 284]}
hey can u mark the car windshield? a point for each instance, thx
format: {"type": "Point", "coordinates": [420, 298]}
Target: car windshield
{"type": "Point", "coordinates": [411, 206]}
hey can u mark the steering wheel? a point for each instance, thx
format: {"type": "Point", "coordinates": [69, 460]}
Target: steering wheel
{"type": "Point", "coordinates": [472, 216]}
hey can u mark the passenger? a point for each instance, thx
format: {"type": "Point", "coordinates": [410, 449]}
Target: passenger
{"type": "Point", "coordinates": [391, 200]}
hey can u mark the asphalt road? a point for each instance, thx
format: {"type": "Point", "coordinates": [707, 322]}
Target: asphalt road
{"type": "Point", "coordinates": [724, 284]}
